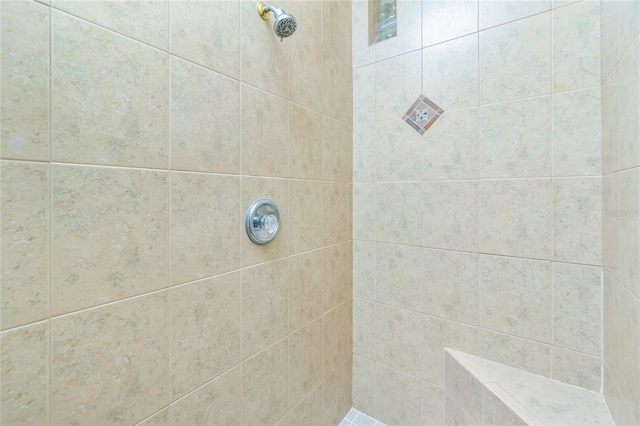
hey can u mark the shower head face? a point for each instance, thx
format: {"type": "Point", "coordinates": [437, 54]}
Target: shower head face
{"type": "Point", "coordinates": [285, 25]}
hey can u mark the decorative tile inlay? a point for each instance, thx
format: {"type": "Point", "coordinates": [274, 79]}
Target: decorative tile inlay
{"type": "Point", "coordinates": [422, 114]}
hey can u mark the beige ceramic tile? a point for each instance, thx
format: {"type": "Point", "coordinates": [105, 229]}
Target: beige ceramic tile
{"type": "Point", "coordinates": [576, 307]}
{"type": "Point", "coordinates": [392, 151]}
{"type": "Point", "coordinates": [515, 139]}
{"type": "Point", "coordinates": [305, 288]}
{"type": "Point", "coordinates": [439, 334]}
{"type": "Point", "coordinates": [161, 418]}
{"type": "Point", "coordinates": [307, 412]}
{"type": "Point", "coordinates": [576, 369]}
{"type": "Point", "coordinates": [432, 403]}
{"type": "Point", "coordinates": [205, 225]}
{"type": "Point", "coordinates": [336, 394]}
{"type": "Point", "coordinates": [337, 150]}
{"type": "Point", "coordinates": [25, 243]}
{"type": "Point", "coordinates": [364, 385]}
{"type": "Point", "coordinates": [217, 402]}
{"type": "Point", "coordinates": [305, 71]}
{"type": "Point", "coordinates": [308, 13]}
{"type": "Point", "coordinates": [399, 275]}
{"type": "Point", "coordinates": [399, 399]}
{"type": "Point", "coordinates": [400, 339]}
{"type": "Point", "coordinates": [264, 386]}
{"type": "Point", "coordinates": [208, 33]}
{"type": "Point", "coordinates": [609, 27]}
{"type": "Point", "coordinates": [108, 235]}
{"type": "Point", "coordinates": [205, 331]}
{"type": "Point", "coordinates": [577, 219]}
{"type": "Point", "coordinates": [110, 97]}
{"type": "Point", "coordinates": [612, 329]}
{"type": "Point", "coordinates": [498, 12]}
{"type": "Point", "coordinates": [515, 59]}
{"type": "Point", "coordinates": [450, 285]}
{"type": "Point", "coordinates": [362, 52]}
{"type": "Point", "coordinates": [495, 408]}
{"type": "Point", "coordinates": [337, 330]}
{"type": "Point", "coordinates": [336, 28]}
{"type": "Point", "coordinates": [397, 218]}
{"type": "Point", "coordinates": [364, 269]}
{"type": "Point", "coordinates": [337, 82]}
{"type": "Point", "coordinates": [24, 392]}
{"type": "Point", "coordinates": [408, 34]}
{"type": "Point", "coordinates": [577, 136]}
{"type": "Point", "coordinates": [305, 360]}
{"type": "Point", "coordinates": [398, 84]}
{"type": "Point", "coordinates": [514, 295]}
{"type": "Point", "coordinates": [513, 351]}
{"type": "Point", "coordinates": [450, 215]}
{"type": "Point", "coordinates": [364, 328]}
{"type": "Point", "coordinates": [364, 87]}
{"type": "Point", "coordinates": [305, 143]}
{"type": "Point", "coordinates": [446, 20]}
{"type": "Point", "coordinates": [366, 153]}
{"type": "Point", "coordinates": [126, 387]}
{"type": "Point", "coordinates": [265, 63]}
{"type": "Point", "coordinates": [450, 70]}
{"type": "Point", "coordinates": [628, 218]}
{"type": "Point", "coordinates": [147, 21]}
{"type": "Point", "coordinates": [336, 214]}
{"type": "Point", "coordinates": [610, 96]}
{"type": "Point", "coordinates": [610, 223]}
{"type": "Point", "coordinates": [25, 80]}
{"type": "Point", "coordinates": [464, 388]}
{"type": "Point", "coordinates": [337, 275]}
{"type": "Point", "coordinates": [264, 147]}
{"type": "Point", "coordinates": [576, 46]}
{"type": "Point", "coordinates": [629, 107]}
{"type": "Point", "coordinates": [365, 198]}
{"type": "Point", "coordinates": [305, 198]}
{"type": "Point", "coordinates": [453, 140]}
{"type": "Point", "coordinates": [264, 306]}
{"type": "Point", "coordinates": [454, 414]}
{"type": "Point", "coordinates": [515, 218]}
{"type": "Point", "coordinates": [278, 191]}
{"type": "Point", "coordinates": [205, 130]}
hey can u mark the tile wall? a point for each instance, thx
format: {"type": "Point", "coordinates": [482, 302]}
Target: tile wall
{"type": "Point", "coordinates": [134, 137]}
{"type": "Point", "coordinates": [621, 207]}
{"type": "Point", "coordinates": [485, 233]}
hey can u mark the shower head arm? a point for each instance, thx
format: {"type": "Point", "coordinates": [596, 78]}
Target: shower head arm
{"type": "Point", "coordinates": [264, 9]}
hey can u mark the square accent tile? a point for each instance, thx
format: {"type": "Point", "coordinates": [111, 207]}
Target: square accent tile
{"type": "Point", "coordinates": [422, 114]}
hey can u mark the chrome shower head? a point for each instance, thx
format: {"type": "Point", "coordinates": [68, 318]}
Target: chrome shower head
{"type": "Point", "coordinates": [285, 24]}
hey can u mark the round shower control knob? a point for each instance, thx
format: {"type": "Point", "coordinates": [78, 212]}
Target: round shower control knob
{"type": "Point", "coordinates": [262, 221]}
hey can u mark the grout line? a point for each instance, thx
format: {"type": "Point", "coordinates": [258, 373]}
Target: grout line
{"type": "Point", "coordinates": [50, 223]}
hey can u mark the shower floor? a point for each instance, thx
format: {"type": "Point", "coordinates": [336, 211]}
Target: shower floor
{"type": "Point", "coordinates": [356, 418]}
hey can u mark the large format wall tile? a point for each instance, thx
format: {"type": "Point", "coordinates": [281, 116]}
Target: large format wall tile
{"type": "Point", "coordinates": [307, 412]}
{"type": "Point", "coordinates": [264, 306]}
{"type": "Point", "coordinates": [336, 28]}
{"type": "Point", "coordinates": [305, 71]}
{"type": "Point", "coordinates": [515, 59]}
{"type": "Point", "coordinates": [336, 394]}
{"type": "Point", "coordinates": [264, 386]}
{"type": "Point", "coordinates": [337, 275]}
{"type": "Point", "coordinates": [400, 340]}
{"type": "Point", "coordinates": [305, 143]}
{"type": "Point", "coordinates": [205, 130]}
{"type": "Point", "coordinates": [207, 33]}
{"type": "Point", "coordinates": [109, 236]}
{"type": "Point", "coordinates": [146, 21]}
{"type": "Point", "coordinates": [364, 92]}
{"type": "Point", "coordinates": [336, 215]}
{"type": "Point", "coordinates": [444, 20]}
{"type": "Point", "coordinates": [217, 402]}
{"type": "Point", "coordinates": [408, 34]}
{"type": "Point", "coordinates": [576, 46]}
{"type": "Point", "coordinates": [399, 275]}
{"type": "Point", "coordinates": [450, 70]}
{"type": "Point", "coordinates": [110, 97]}
{"type": "Point", "coordinates": [515, 293]}
{"type": "Point", "coordinates": [628, 222]}
{"type": "Point", "coordinates": [364, 328]}
{"type": "Point", "coordinates": [305, 288]}
{"type": "Point", "coordinates": [265, 125]}
{"type": "Point", "coordinates": [398, 206]}
{"type": "Point", "coordinates": [25, 243]}
{"type": "Point", "coordinates": [128, 385]}
{"type": "Point", "coordinates": [516, 352]}
{"type": "Point", "coordinates": [337, 86]}
{"type": "Point", "coordinates": [364, 269]}
{"type": "Point", "coordinates": [496, 12]}
{"type": "Point", "coordinates": [306, 215]}
{"type": "Point", "coordinates": [305, 360]}
{"type": "Point", "coordinates": [337, 150]}
{"type": "Point", "coordinates": [577, 136]}
{"type": "Point", "coordinates": [515, 139]}
{"type": "Point", "coordinates": [24, 392]}
{"type": "Point", "coordinates": [515, 218]}
{"type": "Point", "coordinates": [363, 52]}
{"type": "Point", "coordinates": [205, 331]}
{"type": "Point", "coordinates": [576, 368]}
{"type": "Point", "coordinates": [25, 100]}
{"type": "Point", "coordinates": [337, 332]}
{"type": "Point", "coordinates": [398, 84]}
{"type": "Point", "coordinates": [399, 400]}
{"type": "Point", "coordinates": [205, 225]}
{"type": "Point", "coordinates": [629, 107]}
{"type": "Point", "coordinates": [577, 219]}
